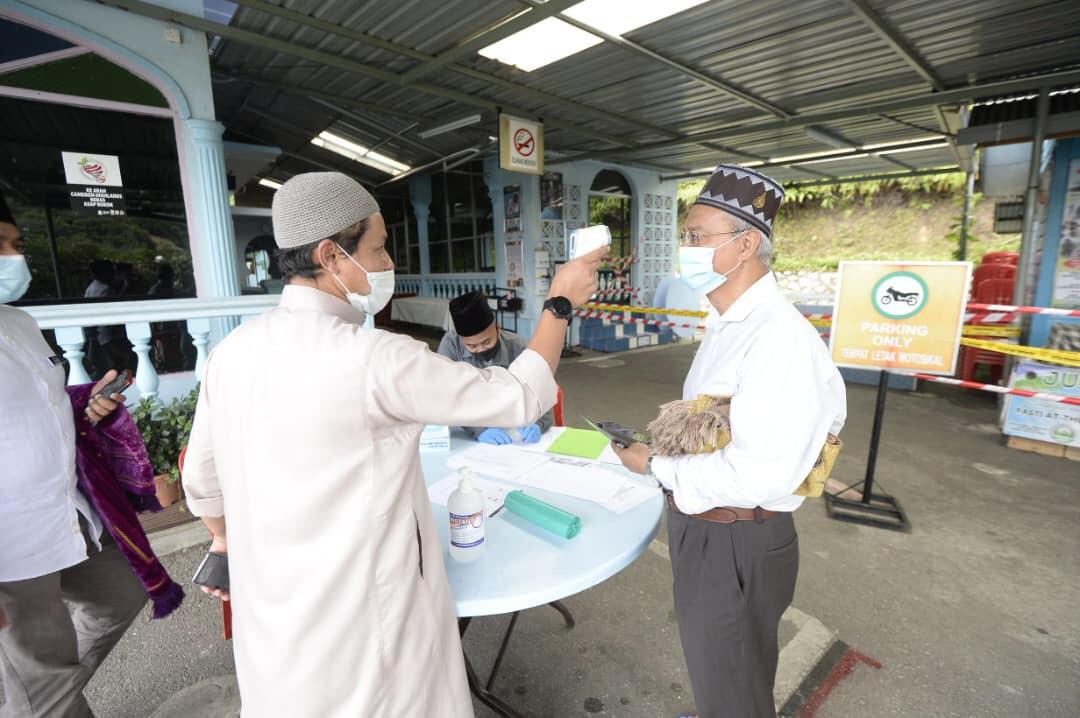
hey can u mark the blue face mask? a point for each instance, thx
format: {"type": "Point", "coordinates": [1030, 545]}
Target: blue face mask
{"type": "Point", "coordinates": [696, 267]}
{"type": "Point", "coordinates": [14, 277]}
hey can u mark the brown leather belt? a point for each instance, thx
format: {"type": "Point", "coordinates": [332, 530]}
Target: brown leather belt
{"type": "Point", "coordinates": [725, 514]}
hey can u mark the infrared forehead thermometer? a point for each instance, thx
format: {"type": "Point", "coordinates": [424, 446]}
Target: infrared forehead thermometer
{"type": "Point", "coordinates": [587, 239]}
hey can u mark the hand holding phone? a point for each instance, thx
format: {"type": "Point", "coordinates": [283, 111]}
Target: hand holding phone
{"type": "Point", "coordinates": [101, 402]}
{"type": "Point", "coordinates": [116, 386]}
{"type": "Point", "coordinates": [213, 574]}
{"type": "Point", "coordinates": [620, 435]}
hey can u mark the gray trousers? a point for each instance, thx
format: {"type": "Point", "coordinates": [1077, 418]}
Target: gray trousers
{"type": "Point", "coordinates": [50, 649]}
{"type": "Point", "coordinates": [733, 582]}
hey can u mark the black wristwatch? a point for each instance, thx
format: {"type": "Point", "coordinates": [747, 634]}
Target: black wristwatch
{"type": "Point", "coordinates": [560, 307]}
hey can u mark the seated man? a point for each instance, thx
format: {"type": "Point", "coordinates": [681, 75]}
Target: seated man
{"type": "Point", "coordinates": [475, 339]}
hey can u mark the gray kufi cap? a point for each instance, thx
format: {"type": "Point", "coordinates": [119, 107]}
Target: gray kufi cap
{"type": "Point", "coordinates": [316, 205]}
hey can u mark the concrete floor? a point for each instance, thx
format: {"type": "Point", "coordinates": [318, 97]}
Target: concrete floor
{"type": "Point", "coordinates": [971, 614]}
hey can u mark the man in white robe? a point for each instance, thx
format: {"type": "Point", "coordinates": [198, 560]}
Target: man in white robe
{"type": "Point", "coordinates": [305, 448]}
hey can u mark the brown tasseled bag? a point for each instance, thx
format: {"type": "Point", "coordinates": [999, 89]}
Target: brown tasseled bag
{"type": "Point", "coordinates": [702, 425]}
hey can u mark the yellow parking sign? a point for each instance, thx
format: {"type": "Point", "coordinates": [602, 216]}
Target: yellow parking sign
{"type": "Point", "coordinates": [904, 316]}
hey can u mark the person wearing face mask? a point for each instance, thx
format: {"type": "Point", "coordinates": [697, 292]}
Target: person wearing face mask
{"type": "Point", "coordinates": [734, 550]}
{"type": "Point", "coordinates": [68, 588]}
{"type": "Point", "coordinates": [304, 463]}
{"type": "Point", "coordinates": [477, 339]}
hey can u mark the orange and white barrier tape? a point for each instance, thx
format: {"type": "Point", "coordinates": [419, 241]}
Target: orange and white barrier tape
{"type": "Point", "coordinates": [1072, 400]}
{"type": "Point", "coordinates": [644, 310]}
{"type": "Point", "coordinates": [1053, 311]}
{"type": "Point", "coordinates": [621, 264]}
{"type": "Point", "coordinates": [620, 317]}
{"type": "Point", "coordinates": [990, 317]}
{"type": "Point", "coordinates": [618, 292]}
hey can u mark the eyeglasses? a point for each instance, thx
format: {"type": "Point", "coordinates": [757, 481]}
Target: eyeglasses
{"type": "Point", "coordinates": [694, 239]}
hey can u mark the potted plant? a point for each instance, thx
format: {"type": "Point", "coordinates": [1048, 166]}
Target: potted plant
{"type": "Point", "coordinates": [165, 429]}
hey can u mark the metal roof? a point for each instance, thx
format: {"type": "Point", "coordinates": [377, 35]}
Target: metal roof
{"type": "Point", "coordinates": [723, 81]}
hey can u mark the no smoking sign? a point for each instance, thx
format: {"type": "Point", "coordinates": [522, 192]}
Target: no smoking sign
{"type": "Point", "coordinates": [524, 142]}
{"type": "Point", "coordinates": [521, 145]}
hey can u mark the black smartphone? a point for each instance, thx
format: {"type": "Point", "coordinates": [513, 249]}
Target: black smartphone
{"type": "Point", "coordinates": [213, 572]}
{"type": "Point", "coordinates": [117, 385]}
{"type": "Point", "coordinates": [622, 436]}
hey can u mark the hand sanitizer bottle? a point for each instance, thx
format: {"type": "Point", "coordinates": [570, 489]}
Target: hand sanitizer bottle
{"type": "Point", "coordinates": [466, 509]}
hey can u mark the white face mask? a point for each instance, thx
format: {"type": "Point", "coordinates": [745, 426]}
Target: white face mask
{"type": "Point", "coordinates": [696, 267]}
{"type": "Point", "coordinates": [381, 284]}
{"type": "Point", "coordinates": [14, 277]}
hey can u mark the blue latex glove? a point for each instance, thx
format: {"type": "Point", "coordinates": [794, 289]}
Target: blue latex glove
{"type": "Point", "coordinates": [530, 434]}
{"type": "Point", "coordinates": [494, 436]}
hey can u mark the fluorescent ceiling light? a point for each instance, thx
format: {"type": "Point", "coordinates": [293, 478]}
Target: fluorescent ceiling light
{"type": "Point", "coordinates": [358, 153]}
{"type": "Point", "coordinates": [826, 155]}
{"type": "Point", "coordinates": [272, 184]}
{"type": "Point", "coordinates": [450, 126]}
{"type": "Point", "coordinates": [797, 158]}
{"type": "Point", "coordinates": [925, 138]}
{"type": "Point", "coordinates": [553, 39]}
{"type": "Point", "coordinates": [540, 44]}
{"type": "Point", "coordinates": [617, 17]}
{"type": "Point", "coordinates": [856, 156]}
{"type": "Point", "coordinates": [912, 149]}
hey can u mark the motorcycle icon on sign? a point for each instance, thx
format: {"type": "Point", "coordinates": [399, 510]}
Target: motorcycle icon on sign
{"type": "Point", "coordinates": [893, 295]}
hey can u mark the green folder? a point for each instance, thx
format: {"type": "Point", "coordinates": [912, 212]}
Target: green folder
{"type": "Point", "coordinates": [579, 442]}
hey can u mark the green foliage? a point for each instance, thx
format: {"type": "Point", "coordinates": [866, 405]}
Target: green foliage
{"type": "Point", "coordinates": [846, 193]}
{"type": "Point", "coordinates": [165, 429]}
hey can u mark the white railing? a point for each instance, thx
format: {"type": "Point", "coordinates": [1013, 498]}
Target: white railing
{"type": "Point", "coordinates": [69, 321]}
{"type": "Point", "coordinates": [446, 286]}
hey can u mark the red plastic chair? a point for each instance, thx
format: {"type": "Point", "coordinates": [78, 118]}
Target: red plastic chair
{"type": "Point", "coordinates": [226, 607]}
{"type": "Point", "coordinates": [994, 291]}
{"type": "Point", "coordinates": [1001, 258]}
{"type": "Point", "coordinates": [557, 410]}
{"type": "Point", "coordinates": [984, 272]}
{"type": "Point", "coordinates": [988, 291]}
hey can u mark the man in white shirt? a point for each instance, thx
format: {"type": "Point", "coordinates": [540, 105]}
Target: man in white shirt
{"type": "Point", "coordinates": [734, 550]}
{"type": "Point", "coordinates": [49, 649]}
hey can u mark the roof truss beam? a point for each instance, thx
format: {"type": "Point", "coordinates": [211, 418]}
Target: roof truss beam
{"type": "Point", "coordinates": [932, 99]}
{"type": "Point", "coordinates": [899, 44]}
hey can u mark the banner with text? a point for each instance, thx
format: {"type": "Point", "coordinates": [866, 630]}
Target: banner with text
{"type": "Point", "coordinates": [95, 186]}
{"type": "Point", "coordinates": [899, 315]}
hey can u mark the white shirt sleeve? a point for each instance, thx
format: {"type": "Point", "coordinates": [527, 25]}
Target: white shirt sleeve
{"type": "Point", "coordinates": [781, 413]}
{"type": "Point", "coordinates": [412, 383]}
{"type": "Point", "coordinates": [200, 476]}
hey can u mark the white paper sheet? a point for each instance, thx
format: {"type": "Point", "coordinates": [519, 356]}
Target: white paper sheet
{"type": "Point", "coordinates": [587, 482]}
{"type": "Point", "coordinates": [532, 466]}
{"type": "Point", "coordinates": [494, 493]}
{"type": "Point", "coordinates": [496, 462]}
